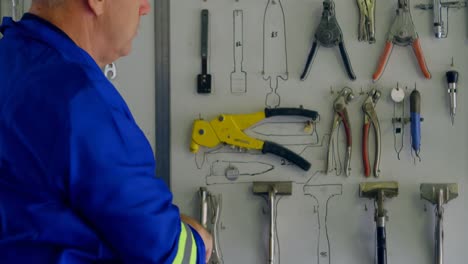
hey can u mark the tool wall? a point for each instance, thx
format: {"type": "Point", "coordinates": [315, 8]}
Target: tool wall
{"type": "Point", "coordinates": [256, 54]}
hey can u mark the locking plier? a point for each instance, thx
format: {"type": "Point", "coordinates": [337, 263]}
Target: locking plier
{"type": "Point", "coordinates": [328, 34]}
{"type": "Point", "coordinates": [366, 20]}
{"type": "Point", "coordinates": [402, 33]}
{"type": "Point", "coordinates": [341, 116]}
{"type": "Point", "coordinates": [370, 118]}
{"type": "Point", "coordinates": [228, 129]}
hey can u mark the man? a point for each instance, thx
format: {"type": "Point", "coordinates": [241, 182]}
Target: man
{"type": "Point", "coordinates": [77, 178]}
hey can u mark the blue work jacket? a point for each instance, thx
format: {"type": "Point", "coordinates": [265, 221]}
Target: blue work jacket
{"type": "Point", "coordinates": [77, 175]}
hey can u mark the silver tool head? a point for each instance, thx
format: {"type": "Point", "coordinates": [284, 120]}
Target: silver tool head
{"type": "Point", "coordinates": [371, 189]}
{"type": "Point", "coordinates": [280, 188]}
{"type": "Point", "coordinates": [430, 191]}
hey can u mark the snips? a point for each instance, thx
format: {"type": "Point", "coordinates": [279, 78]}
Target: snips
{"type": "Point", "coordinates": [345, 96]}
{"type": "Point", "coordinates": [328, 34]}
{"type": "Point", "coordinates": [370, 118]}
{"type": "Point", "coordinates": [402, 33]}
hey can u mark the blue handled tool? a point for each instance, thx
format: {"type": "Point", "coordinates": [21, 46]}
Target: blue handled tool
{"type": "Point", "coordinates": [415, 111]}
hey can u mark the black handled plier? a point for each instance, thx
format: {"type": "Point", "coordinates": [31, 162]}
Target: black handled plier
{"type": "Point", "coordinates": [328, 34]}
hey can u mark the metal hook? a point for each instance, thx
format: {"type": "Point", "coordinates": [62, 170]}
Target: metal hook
{"type": "Point", "coordinates": [110, 71]}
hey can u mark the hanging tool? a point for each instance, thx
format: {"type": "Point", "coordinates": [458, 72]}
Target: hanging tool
{"type": "Point", "coordinates": [345, 96]}
{"type": "Point", "coordinates": [370, 118]}
{"type": "Point", "coordinates": [228, 129]}
{"type": "Point", "coordinates": [380, 191]}
{"type": "Point", "coordinates": [238, 76]}
{"type": "Point", "coordinates": [275, 57]}
{"type": "Point", "coordinates": [210, 212]}
{"type": "Point", "coordinates": [452, 80]}
{"type": "Point", "coordinates": [439, 194]}
{"type": "Point", "coordinates": [402, 33]}
{"type": "Point", "coordinates": [328, 34]}
{"type": "Point", "coordinates": [204, 79]}
{"type": "Point", "coordinates": [322, 194]}
{"type": "Point", "coordinates": [110, 71]}
{"type": "Point", "coordinates": [366, 20]}
{"type": "Point", "coordinates": [272, 189]}
{"type": "Point", "coordinates": [441, 24]}
{"type": "Point", "coordinates": [415, 113]}
{"type": "Point", "coordinates": [399, 120]}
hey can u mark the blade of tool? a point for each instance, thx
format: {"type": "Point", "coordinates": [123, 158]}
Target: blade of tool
{"type": "Point", "coordinates": [238, 76]}
{"type": "Point", "coordinates": [275, 64]}
{"type": "Point", "coordinates": [322, 194]}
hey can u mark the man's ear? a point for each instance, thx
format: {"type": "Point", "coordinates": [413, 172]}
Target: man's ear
{"type": "Point", "coordinates": [97, 6]}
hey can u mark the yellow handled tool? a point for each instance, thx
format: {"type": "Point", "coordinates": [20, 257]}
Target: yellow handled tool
{"type": "Point", "coordinates": [228, 129]}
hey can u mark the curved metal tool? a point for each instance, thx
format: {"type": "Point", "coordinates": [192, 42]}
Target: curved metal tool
{"type": "Point", "coordinates": [345, 96]}
{"type": "Point", "coordinates": [328, 34]}
{"type": "Point", "coordinates": [370, 118]}
{"type": "Point", "coordinates": [366, 20]}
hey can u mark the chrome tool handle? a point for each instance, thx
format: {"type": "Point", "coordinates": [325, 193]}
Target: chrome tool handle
{"type": "Point", "coordinates": [204, 207]}
{"type": "Point", "coordinates": [272, 199]}
{"type": "Point", "coordinates": [439, 230]}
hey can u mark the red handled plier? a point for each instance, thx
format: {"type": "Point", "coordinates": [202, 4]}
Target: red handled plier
{"type": "Point", "coordinates": [370, 117]}
{"type": "Point", "coordinates": [345, 96]}
{"type": "Point", "coordinates": [402, 33]}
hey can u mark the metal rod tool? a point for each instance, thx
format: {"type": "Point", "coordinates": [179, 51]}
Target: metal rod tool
{"type": "Point", "coordinates": [204, 79]}
{"type": "Point", "coordinates": [439, 194]}
{"type": "Point", "coordinates": [379, 191]}
{"type": "Point", "coordinates": [272, 189]}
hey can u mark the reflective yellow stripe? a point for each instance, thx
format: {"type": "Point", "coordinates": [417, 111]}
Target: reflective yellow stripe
{"type": "Point", "coordinates": [193, 253]}
{"type": "Point", "coordinates": [181, 248]}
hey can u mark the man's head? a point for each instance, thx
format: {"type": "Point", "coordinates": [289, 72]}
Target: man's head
{"type": "Point", "coordinates": [104, 28]}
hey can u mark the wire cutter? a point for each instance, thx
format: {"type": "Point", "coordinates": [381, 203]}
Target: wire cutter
{"type": "Point", "coordinates": [229, 129]}
{"type": "Point", "coordinates": [402, 33]}
{"type": "Point", "coordinates": [328, 34]}
{"type": "Point", "coordinates": [345, 96]}
{"type": "Point", "coordinates": [366, 20]}
{"type": "Point", "coordinates": [370, 117]}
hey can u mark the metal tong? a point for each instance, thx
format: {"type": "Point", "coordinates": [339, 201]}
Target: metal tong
{"type": "Point", "coordinates": [370, 118]}
{"type": "Point", "coordinates": [210, 212]}
{"type": "Point", "coordinates": [328, 34]}
{"type": "Point", "coordinates": [402, 33]}
{"type": "Point", "coordinates": [366, 20]}
{"type": "Point", "coordinates": [345, 96]}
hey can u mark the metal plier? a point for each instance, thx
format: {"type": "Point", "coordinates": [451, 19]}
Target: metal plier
{"type": "Point", "coordinates": [210, 212]}
{"type": "Point", "coordinates": [328, 34]}
{"type": "Point", "coordinates": [229, 129]}
{"type": "Point", "coordinates": [402, 33]}
{"type": "Point", "coordinates": [345, 96]}
{"type": "Point", "coordinates": [366, 20]}
{"type": "Point", "coordinates": [370, 118]}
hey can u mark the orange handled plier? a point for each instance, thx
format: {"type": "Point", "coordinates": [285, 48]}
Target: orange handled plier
{"type": "Point", "coordinates": [402, 33]}
{"type": "Point", "coordinates": [370, 118]}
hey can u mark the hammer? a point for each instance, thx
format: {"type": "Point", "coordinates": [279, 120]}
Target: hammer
{"type": "Point", "coordinates": [272, 189]}
{"type": "Point", "coordinates": [379, 191]}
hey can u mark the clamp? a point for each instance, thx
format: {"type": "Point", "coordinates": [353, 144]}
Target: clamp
{"type": "Point", "coordinates": [345, 96]}
{"type": "Point", "coordinates": [402, 33]}
{"type": "Point", "coordinates": [370, 118]}
{"type": "Point", "coordinates": [366, 20]}
{"type": "Point", "coordinates": [229, 129]}
{"type": "Point", "coordinates": [328, 34]}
